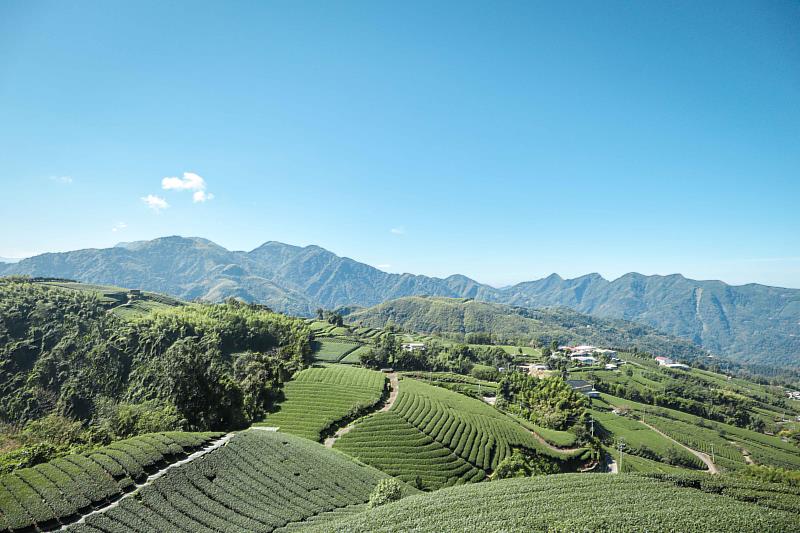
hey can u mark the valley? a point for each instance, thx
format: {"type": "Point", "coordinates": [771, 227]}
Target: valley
{"type": "Point", "coordinates": [337, 403]}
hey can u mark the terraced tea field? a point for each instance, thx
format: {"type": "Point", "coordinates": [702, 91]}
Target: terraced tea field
{"type": "Point", "coordinates": [55, 492]}
{"type": "Point", "coordinates": [333, 350]}
{"type": "Point", "coordinates": [581, 502]}
{"type": "Point", "coordinates": [260, 481]}
{"type": "Point", "coordinates": [318, 398]}
{"type": "Point", "coordinates": [440, 436]}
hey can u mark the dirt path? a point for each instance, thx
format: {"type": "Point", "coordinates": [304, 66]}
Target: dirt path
{"type": "Point", "coordinates": [394, 387]}
{"type": "Point", "coordinates": [611, 464]}
{"type": "Point", "coordinates": [745, 453]}
{"type": "Point", "coordinates": [551, 447]}
{"type": "Point", "coordinates": [222, 441]}
{"type": "Point", "coordinates": [712, 468]}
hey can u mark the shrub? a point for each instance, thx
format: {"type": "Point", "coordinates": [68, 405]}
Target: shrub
{"type": "Point", "coordinates": [386, 491]}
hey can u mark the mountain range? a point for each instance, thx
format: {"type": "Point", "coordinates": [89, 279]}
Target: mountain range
{"type": "Point", "coordinates": [519, 325]}
{"type": "Point", "coordinates": [749, 323]}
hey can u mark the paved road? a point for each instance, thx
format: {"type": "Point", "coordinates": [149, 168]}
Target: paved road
{"type": "Point", "coordinates": [394, 387]}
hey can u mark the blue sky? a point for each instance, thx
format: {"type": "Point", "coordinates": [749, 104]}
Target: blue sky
{"type": "Point", "coordinates": [501, 140]}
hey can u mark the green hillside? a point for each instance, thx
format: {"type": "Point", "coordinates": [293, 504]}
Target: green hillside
{"type": "Point", "coordinates": [318, 398]}
{"type": "Point", "coordinates": [440, 437]}
{"type": "Point", "coordinates": [258, 481]}
{"type": "Point", "coordinates": [749, 323]}
{"type": "Point", "coordinates": [507, 325]}
{"type": "Point", "coordinates": [575, 502]}
{"type": "Point", "coordinates": [74, 375]}
{"type": "Point", "coordinates": [57, 491]}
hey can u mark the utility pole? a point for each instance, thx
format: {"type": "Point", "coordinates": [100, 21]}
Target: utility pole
{"type": "Point", "coordinates": [592, 427]}
{"type": "Point", "coordinates": [620, 445]}
{"type": "Point", "coordinates": [712, 453]}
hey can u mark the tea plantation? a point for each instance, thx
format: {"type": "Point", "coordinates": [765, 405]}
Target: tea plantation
{"type": "Point", "coordinates": [438, 435]}
{"type": "Point", "coordinates": [258, 482]}
{"type": "Point", "coordinates": [55, 492]}
{"type": "Point", "coordinates": [319, 397]}
{"type": "Point", "coordinates": [577, 502]}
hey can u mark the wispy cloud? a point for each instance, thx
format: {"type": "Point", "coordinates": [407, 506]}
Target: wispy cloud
{"type": "Point", "coordinates": [64, 180]}
{"type": "Point", "coordinates": [383, 266]}
{"type": "Point", "coordinates": [156, 203]}
{"type": "Point", "coordinates": [189, 182]}
{"type": "Point", "coordinates": [400, 230]}
{"type": "Point", "coordinates": [119, 226]}
{"type": "Point", "coordinates": [202, 196]}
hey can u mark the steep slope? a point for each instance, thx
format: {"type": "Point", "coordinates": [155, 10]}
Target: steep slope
{"type": "Point", "coordinates": [189, 268]}
{"type": "Point", "coordinates": [579, 502]}
{"type": "Point", "coordinates": [752, 323]}
{"type": "Point", "coordinates": [443, 315]}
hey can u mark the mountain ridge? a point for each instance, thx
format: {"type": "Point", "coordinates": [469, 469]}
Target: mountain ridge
{"type": "Point", "coordinates": [750, 323]}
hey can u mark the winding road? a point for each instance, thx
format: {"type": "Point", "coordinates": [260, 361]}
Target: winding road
{"type": "Point", "coordinates": [393, 390]}
{"type": "Point", "coordinates": [712, 468]}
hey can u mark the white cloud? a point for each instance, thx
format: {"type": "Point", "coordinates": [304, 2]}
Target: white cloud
{"type": "Point", "coordinates": [66, 180]}
{"type": "Point", "coordinates": [202, 196]}
{"type": "Point", "coordinates": [156, 203]}
{"type": "Point", "coordinates": [119, 226]}
{"type": "Point", "coordinates": [398, 230]}
{"type": "Point", "coordinates": [189, 182]}
{"type": "Point", "coordinates": [383, 266]}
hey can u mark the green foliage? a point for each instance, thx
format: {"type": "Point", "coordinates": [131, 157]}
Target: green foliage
{"type": "Point", "coordinates": [259, 481]}
{"type": "Point", "coordinates": [549, 401]}
{"type": "Point", "coordinates": [62, 353]}
{"type": "Point", "coordinates": [771, 474]}
{"type": "Point", "coordinates": [440, 436]}
{"type": "Point", "coordinates": [625, 503]}
{"type": "Point", "coordinates": [60, 488]}
{"type": "Point", "coordinates": [319, 398]}
{"type": "Point", "coordinates": [525, 464]}
{"type": "Point", "coordinates": [488, 373]}
{"type": "Point", "coordinates": [438, 356]}
{"type": "Point", "coordinates": [468, 320]}
{"type": "Point", "coordinates": [386, 491]}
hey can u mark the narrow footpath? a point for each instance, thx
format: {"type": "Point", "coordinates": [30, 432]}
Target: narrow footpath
{"type": "Point", "coordinates": [222, 441]}
{"type": "Point", "coordinates": [393, 389]}
{"type": "Point", "coordinates": [712, 468]}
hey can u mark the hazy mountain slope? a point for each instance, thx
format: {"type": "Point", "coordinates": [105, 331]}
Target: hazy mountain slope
{"type": "Point", "coordinates": [332, 281]}
{"type": "Point", "coordinates": [752, 323]}
{"type": "Point", "coordinates": [186, 268]}
{"type": "Point", "coordinates": [452, 315]}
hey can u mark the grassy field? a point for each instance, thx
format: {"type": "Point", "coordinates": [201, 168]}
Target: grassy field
{"type": "Point", "coordinates": [576, 502]}
{"type": "Point", "coordinates": [116, 298]}
{"type": "Point", "coordinates": [332, 350]}
{"type": "Point", "coordinates": [727, 440]}
{"type": "Point", "coordinates": [259, 481]}
{"type": "Point", "coordinates": [439, 435]}
{"type": "Point", "coordinates": [317, 398]}
{"type": "Point", "coordinates": [641, 440]}
{"type": "Point", "coordinates": [354, 357]}
{"type": "Point", "coordinates": [51, 492]}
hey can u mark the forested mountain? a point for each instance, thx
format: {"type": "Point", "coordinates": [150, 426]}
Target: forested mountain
{"type": "Point", "coordinates": [753, 323]}
{"type": "Point", "coordinates": [63, 353]}
{"type": "Point", "coordinates": [509, 324]}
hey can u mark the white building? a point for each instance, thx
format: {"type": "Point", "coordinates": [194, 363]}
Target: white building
{"type": "Point", "coordinates": [414, 346]}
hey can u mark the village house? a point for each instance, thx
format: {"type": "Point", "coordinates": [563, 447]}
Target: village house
{"type": "Point", "coordinates": [414, 346]}
{"type": "Point", "coordinates": [664, 361]}
{"type": "Point", "coordinates": [584, 387]}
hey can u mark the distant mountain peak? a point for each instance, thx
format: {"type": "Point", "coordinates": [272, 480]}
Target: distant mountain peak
{"type": "Point", "coordinates": [751, 322]}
